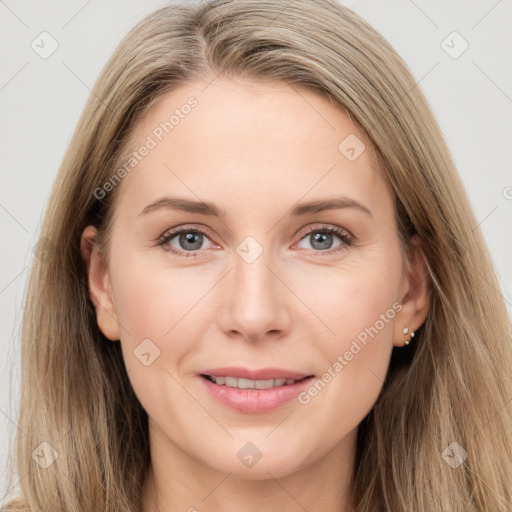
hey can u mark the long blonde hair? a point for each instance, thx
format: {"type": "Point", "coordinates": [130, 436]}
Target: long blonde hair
{"type": "Point", "coordinates": [450, 386]}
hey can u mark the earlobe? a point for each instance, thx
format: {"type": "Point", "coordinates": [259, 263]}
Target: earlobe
{"type": "Point", "coordinates": [100, 289]}
{"type": "Point", "coordinates": [416, 295]}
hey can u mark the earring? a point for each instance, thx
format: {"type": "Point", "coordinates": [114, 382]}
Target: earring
{"type": "Point", "coordinates": [406, 331]}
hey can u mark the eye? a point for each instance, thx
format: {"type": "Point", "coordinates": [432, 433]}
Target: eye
{"type": "Point", "coordinates": [184, 241]}
{"type": "Point", "coordinates": [189, 241]}
{"type": "Point", "coordinates": [321, 239]}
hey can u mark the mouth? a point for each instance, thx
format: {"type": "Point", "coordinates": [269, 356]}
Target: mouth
{"type": "Point", "coordinates": [254, 391]}
{"type": "Point", "coordinates": [242, 383]}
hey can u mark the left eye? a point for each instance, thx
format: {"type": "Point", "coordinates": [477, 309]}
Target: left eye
{"type": "Point", "coordinates": [321, 239]}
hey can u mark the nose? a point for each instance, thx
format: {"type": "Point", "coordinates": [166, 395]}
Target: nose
{"type": "Point", "coordinates": [256, 303]}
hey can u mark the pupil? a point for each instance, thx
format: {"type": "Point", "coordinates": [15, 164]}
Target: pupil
{"type": "Point", "coordinates": [188, 238]}
{"type": "Point", "coordinates": [321, 238]}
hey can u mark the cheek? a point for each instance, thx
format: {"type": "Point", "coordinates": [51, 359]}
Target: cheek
{"type": "Point", "coordinates": [151, 299]}
{"type": "Point", "coordinates": [349, 301]}
{"type": "Point", "coordinates": [357, 307]}
{"type": "Point", "coordinates": [153, 306]}
{"type": "Point", "coordinates": [156, 311]}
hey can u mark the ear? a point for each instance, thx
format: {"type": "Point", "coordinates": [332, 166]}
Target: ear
{"type": "Point", "coordinates": [100, 288]}
{"type": "Point", "coordinates": [415, 294]}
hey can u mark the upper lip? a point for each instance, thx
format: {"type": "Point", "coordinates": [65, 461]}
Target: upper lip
{"type": "Point", "coordinates": [256, 374]}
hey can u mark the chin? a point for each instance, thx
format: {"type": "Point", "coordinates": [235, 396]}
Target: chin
{"type": "Point", "coordinates": [250, 464]}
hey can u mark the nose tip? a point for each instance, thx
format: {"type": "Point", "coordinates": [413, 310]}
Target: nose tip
{"type": "Point", "coordinates": [254, 336]}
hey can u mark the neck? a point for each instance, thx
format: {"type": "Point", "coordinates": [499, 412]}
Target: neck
{"type": "Point", "coordinates": [177, 482]}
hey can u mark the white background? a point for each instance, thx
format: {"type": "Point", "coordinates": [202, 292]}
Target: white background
{"type": "Point", "coordinates": [41, 100]}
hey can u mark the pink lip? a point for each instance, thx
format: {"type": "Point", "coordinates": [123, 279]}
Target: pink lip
{"type": "Point", "coordinates": [255, 401]}
{"type": "Point", "coordinates": [261, 374]}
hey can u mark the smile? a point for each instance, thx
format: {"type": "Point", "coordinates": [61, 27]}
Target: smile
{"type": "Point", "coordinates": [253, 391]}
{"type": "Point", "coordinates": [241, 383]}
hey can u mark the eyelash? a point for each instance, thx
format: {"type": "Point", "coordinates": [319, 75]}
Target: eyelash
{"type": "Point", "coordinates": [346, 238]}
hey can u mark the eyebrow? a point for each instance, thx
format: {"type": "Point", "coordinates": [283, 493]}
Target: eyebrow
{"type": "Point", "coordinates": [210, 209]}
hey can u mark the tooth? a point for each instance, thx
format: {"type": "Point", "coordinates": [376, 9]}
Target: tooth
{"type": "Point", "coordinates": [245, 383]}
{"type": "Point", "coordinates": [232, 382]}
{"type": "Point", "coordinates": [241, 383]}
{"type": "Point", "coordinates": [264, 384]}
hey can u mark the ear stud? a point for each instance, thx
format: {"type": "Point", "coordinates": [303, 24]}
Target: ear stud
{"type": "Point", "coordinates": [405, 330]}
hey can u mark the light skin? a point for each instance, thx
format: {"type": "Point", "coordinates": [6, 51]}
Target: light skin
{"type": "Point", "coordinates": [256, 150]}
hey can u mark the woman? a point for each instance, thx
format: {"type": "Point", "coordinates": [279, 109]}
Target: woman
{"type": "Point", "coordinates": [367, 370]}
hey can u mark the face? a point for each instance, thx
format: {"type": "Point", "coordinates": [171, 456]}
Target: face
{"type": "Point", "coordinates": [295, 308]}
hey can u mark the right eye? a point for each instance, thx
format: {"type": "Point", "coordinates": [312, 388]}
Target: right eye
{"type": "Point", "coordinates": [184, 241]}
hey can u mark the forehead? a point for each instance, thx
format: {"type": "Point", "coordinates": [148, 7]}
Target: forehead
{"type": "Point", "coordinates": [253, 141]}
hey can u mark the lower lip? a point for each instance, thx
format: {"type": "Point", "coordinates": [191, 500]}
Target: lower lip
{"type": "Point", "coordinates": [255, 401]}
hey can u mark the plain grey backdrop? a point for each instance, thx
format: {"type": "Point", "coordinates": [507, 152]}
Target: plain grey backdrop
{"type": "Point", "coordinates": [52, 52]}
